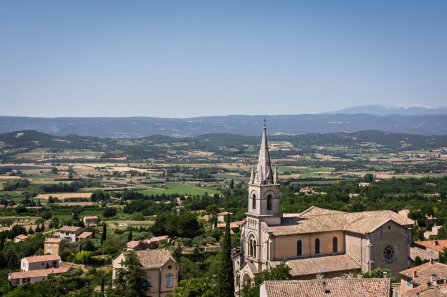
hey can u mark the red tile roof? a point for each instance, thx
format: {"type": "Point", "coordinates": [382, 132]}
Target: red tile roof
{"type": "Point", "coordinates": [371, 287]}
{"type": "Point", "coordinates": [21, 236]}
{"type": "Point", "coordinates": [84, 235]}
{"type": "Point", "coordinates": [424, 272]}
{"type": "Point", "coordinates": [70, 228]}
{"type": "Point", "coordinates": [44, 258]}
{"type": "Point", "coordinates": [53, 240]}
{"type": "Point", "coordinates": [39, 272]}
{"type": "Point", "coordinates": [437, 245]}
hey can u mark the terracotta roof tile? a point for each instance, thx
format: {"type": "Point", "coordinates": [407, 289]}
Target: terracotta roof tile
{"type": "Point", "coordinates": [43, 258]}
{"type": "Point", "coordinates": [321, 265]}
{"type": "Point", "coordinates": [372, 287]}
{"type": "Point", "coordinates": [132, 244]}
{"type": "Point", "coordinates": [154, 258]}
{"type": "Point", "coordinates": [39, 272]}
{"type": "Point", "coordinates": [437, 245]}
{"type": "Point", "coordinates": [425, 271]}
{"type": "Point", "coordinates": [53, 240]}
{"type": "Point", "coordinates": [84, 235]}
{"type": "Point", "coordinates": [70, 228]}
{"type": "Point", "coordinates": [21, 236]}
{"type": "Point", "coordinates": [91, 218]}
{"type": "Point", "coordinates": [317, 219]}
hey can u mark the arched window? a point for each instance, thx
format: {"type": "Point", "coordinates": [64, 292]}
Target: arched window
{"type": "Point", "coordinates": [335, 244]}
{"type": "Point", "coordinates": [253, 206]}
{"type": "Point", "coordinates": [317, 246]}
{"type": "Point", "coordinates": [299, 248]}
{"type": "Point", "coordinates": [269, 202]}
{"type": "Point", "coordinates": [252, 246]}
{"type": "Point", "coordinates": [169, 283]}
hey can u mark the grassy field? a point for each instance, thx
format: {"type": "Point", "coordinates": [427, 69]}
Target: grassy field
{"type": "Point", "coordinates": [179, 188]}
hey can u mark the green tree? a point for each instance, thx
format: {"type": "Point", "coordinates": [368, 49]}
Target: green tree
{"type": "Point", "coordinates": [70, 172]}
{"type": "Point", "coordinates": [280, 272]}
{"type": "Point", "coordinates": [417, 261]}
{"type": "Point", "coordinates": [231, 184]}
{"type": "Point", "coordinates": [104, 233]}
{"type": "Point", "coordinates": [380, 273]}
{"type": "Point", "coordinates": [130, 280]}
{"type": "Point", "coordinates": [226, 277]}
{"type": "Point", "coordinates": [12, 260]}
{"type": "Point", "coordinates": [54, 170]}
{"type": "Point", "coordinates": [109, 212]}
{"type": "Point", "coordinates": [194, 287]}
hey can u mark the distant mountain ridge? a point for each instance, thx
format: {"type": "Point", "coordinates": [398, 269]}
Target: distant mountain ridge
{"type": "Point", "coordinates": [135, 127]}
{"type": "Point", "coordinates": [400, 109]}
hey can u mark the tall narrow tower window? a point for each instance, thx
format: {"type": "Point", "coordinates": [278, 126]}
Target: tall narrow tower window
{"type": "Point", "coordinates": [253, 206]}
{"type": "Point", "coordinates": [269, 202]}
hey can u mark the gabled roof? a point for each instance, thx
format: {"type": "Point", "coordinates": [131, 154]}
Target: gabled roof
{"type": "Point", "coordinates": [70, 228]}
{"type": "Point", "coordinates": [43, 258]}
{"type": "Point", "coordinates": [317, 219]}
{"type": "Point", "coordinates": [425, 271]}
{"type": "Point", "coordinates": [84, 235]}
{"type": "Point", "coordinates": [21, 236]}
{"type": "Point", "coordinates": [154, 258]}
{"type": "Point", "coordinates": [340, 287]}
{"type": "Point", "coordinates": [321, 265]}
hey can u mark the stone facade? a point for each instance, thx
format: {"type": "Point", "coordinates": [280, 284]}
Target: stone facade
{"type": "Point", "coordinates": [316, 242]}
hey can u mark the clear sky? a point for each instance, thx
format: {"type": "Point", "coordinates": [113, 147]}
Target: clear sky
{"type": "Point", "coordinates": [197, 58]}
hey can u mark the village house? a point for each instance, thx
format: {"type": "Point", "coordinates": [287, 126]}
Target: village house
{"type": "Point", "coordinates": [159, 267]}
{"type": "Point", "coordinates": [20, 238]}
{"type": "Point", "coordinates": [234, 226]}
{"type": "Point", "coordinates": [39, 262]}
{"type": "Point", "coordinates": [70, 233]}
{"type": "Point", "coordinates": [221, 216]}
{"type": "Point", "coordinates": [418, 278]}
{"type": "Point", "coordinates": [340, 287]}
{"type": "Point", "coordinates": [54, 246]}
{"type": "Point", "coordinates": [32, 276]}
{"type": "Point", "coordinates": [428, 250]}
{"type": "Point", "coordinates": [90, 221]}
{"type": "Point", "coordinates": [317, 242]}
{"type": "Point", "coordinates": [84, 235]}
{"type": "Point", "coordinates": [307, 190]}
{"type": "Point", "coordinates": [433, 234]}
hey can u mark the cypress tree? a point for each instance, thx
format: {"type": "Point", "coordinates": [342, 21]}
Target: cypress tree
{"type": "Point", "coordinates": [104, 233]}
{"type": "Point", "coordinates": [226, 277]}
{"type": "Point", "coordinates": [129, 237]}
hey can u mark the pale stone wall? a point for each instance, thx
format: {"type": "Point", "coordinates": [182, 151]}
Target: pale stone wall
{"type": "Point", "coordinates": [395, 235]}
{"type": "Point", "coordinates": [286, 246]}
{"type": "Point", "coordinates": [356, 249]}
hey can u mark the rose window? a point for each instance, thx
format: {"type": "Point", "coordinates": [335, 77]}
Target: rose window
{"type": "Point", "coordinates": [389, 253]}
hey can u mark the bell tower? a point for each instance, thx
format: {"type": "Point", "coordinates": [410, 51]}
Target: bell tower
{"type": "Point", "coordinates": [263, 189]}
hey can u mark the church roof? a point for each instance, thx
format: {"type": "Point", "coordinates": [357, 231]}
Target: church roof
{"type": "Point", "coordinates": [372, 287]}
{"type": "Point", "coordinates": [322, 265]}
{"type": "Point", "coordinates": [315, 219]}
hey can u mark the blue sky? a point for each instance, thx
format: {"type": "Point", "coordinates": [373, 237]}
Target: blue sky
{"type": "Point", "coordinates": [198, 58]}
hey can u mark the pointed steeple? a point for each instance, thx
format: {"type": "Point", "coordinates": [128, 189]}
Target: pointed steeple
{"type": "Point", "coordinates": [252, 176]}
{"type": "Point", "coordinates": [264, 171]}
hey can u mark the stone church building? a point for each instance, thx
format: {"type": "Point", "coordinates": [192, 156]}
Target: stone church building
{"type": "Point", "coordinates": [317, 242]}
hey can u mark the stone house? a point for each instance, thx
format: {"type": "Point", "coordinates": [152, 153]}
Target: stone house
{"type": "Point", "coordinates": [420, 277]}
{"type": "Point", "coordinates": [70, 233]}
{"type": "Point", "coordinates": [433, 234]}
{"type": "Point", "coordinates": [20, 238]}
{"type": "Point", "coordinates": [54, 246]}
{"type": "Point", "coordinates": [317, 242]}
{"type": "Point", "coordinates": [428, 250]}
{"type": "Point", "coordinates": [39, 262]}
{"type": "Point", "coordinates": [341, 287]}
{"type": "Point", "coordinates": [90, 221]}
{"type": "Point", "coordinates": [221, 216]}
{"type": "Point", "coordinates": [160, 269]}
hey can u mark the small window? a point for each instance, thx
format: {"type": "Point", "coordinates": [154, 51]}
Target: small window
{"type": "Point", "coordinates": [299, 248]}
{"type": "Point", "coordinates": [148, 279]}
{"type": "Point", "coordinates": [317, 246]}
{"type": "Point", "coordinates": [170, 267]}
{"type": "Point", "coordinates": [169, 281]}
{"type": "Point", "coordinates": [335, 244]}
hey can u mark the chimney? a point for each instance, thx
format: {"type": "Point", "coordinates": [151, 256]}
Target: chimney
{"type": "Point", "coordinates": [415, 274]}
{"type": "Point", "coordinates": [436, 242]}
{"type": "Point", "coordinates": [431, 261]}
{"type": "Point", "coordinates": [384, 274]}
{"type": "Point", "coordinates": [433, 279]}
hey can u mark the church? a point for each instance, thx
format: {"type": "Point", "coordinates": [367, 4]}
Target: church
{"type": "Point", "coordinates": [317, 243]}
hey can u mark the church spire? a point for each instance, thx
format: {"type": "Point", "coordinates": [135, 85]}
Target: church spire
{"type": "Point", "coordinates": [264, 173]}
